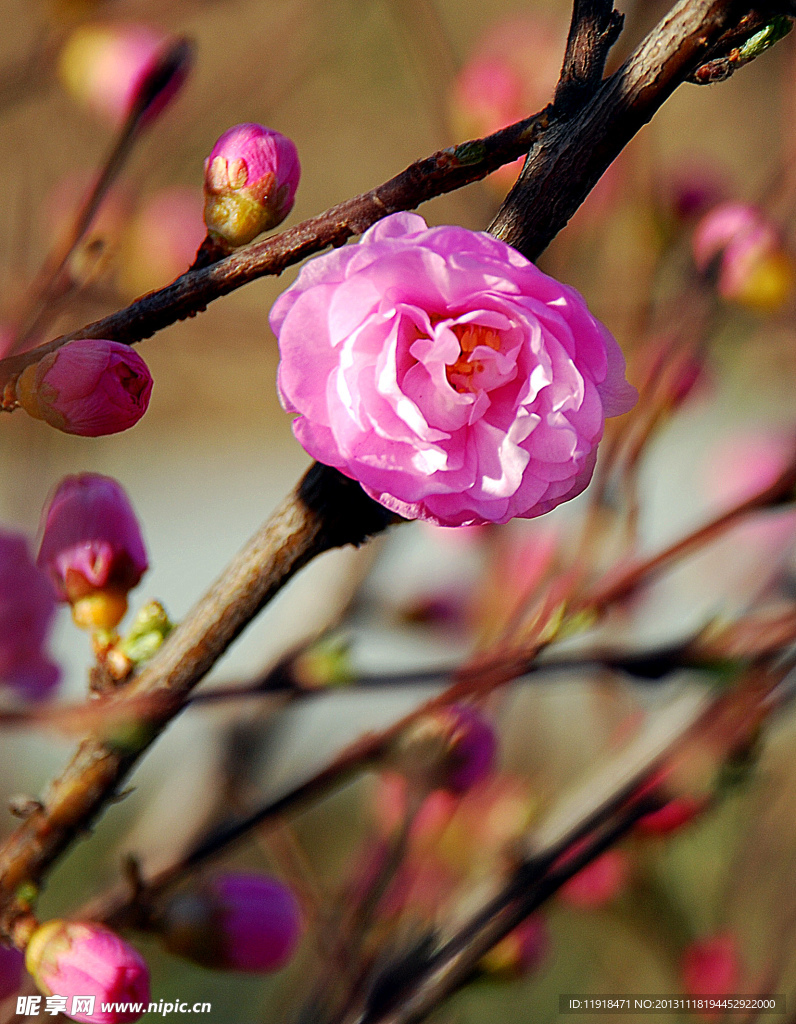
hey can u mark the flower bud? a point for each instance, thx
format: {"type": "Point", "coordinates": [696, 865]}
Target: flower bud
{"type": "Point", "coordinates": [92, 548]}
{"type": "Point", "coordinates": [26, 611]}
{"type": "Point", "coordinates": [251, 177]}
{"type": "Point", "coordinates": [521, 952]}
{"type": "Point", "coordinates": [236, 922]}
{"type": "Point", "coordinates": [88, 387]}
{"type": "Point", "coordinates": [453, 749]}
{"type": "Point", "coordinates": [738, 245]}
{"type": "Point", "coordinates": [107, 68]}
{"type": "Point", "coordinates": [11, 964]}
{"type": "Point", "coordinates": [72, 958]}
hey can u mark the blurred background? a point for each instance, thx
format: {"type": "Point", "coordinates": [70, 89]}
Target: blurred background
{"type": "Point", "coordinates": [364, 87]}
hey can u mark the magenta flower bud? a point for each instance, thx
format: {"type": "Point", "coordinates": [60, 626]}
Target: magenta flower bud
{"type": "Point", "coordinates": [91, 542]}
{"type": "Point", "coordinates": [251, 177]}
{"type": "Point", "coordinates": [71, 958]}
{"type": "Point", "coordinates": [738, 245]}
{"type": "Point", "coordinates": [11, 964]}
{"type": "Point", "coordinates": [453, 748]}
{"type": "Point", "coordinates": [88, 387]}
{"type": "Point", "coordinates": [27, 606]}
{"type": "Point", "coordinates": [237, 922]}
{"type": "Point", "coordinates": [110, 68]}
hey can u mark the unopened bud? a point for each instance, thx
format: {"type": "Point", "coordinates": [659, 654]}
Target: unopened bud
{"type": "Point", "coordinates": [92, 548]}
{"type": "Point", "coordinates": [251, 177]}
{"type": "Point", "coordinates": [88, 387]}
{"type": "Point", "coordinates": [114, 69]}
{"type": "Point", "coordinates": [738, 244]}
{"type": "Point", "coordinates": [235, 922]}
{"type": "Point", "coordinates": [453, 749]}
{"type": "Point", "coordinates": [71, 958]}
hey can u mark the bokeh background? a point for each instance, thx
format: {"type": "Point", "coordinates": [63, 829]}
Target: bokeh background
{"type": "Point", "coordinates": [364, 87]}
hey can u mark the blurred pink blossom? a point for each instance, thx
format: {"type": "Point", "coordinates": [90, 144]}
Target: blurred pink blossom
{"type": "Point", "coordinates": [12, 964]}
{"type": "Point", "coordinates": [447, 374]}
{"type": "Point", "coordinates": [162, 239]}
{"type": "Point", "coordinates": [103, 67]}
{"type": "Point", "coordinates": [27, 606]}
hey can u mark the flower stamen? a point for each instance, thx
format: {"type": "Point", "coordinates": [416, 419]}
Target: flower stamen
{"type": "Point", "coordinates": [461, 373]}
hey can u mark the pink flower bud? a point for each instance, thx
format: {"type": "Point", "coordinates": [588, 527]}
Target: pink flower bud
{"type": "Point", "coordinates": [91, 541]}
{"type": "Point", "coordinates": [739, 244]}
{"type": "Point", "coordinates": [11, 964]}
{"type": "Point", "coordinates": [26, 610]}
{"type": "Point", "coordinates": [710, 967]}
{"type": "Point", "coordinates": [70, 958]}
{"type": "Point", "coordinates": [105, 67]}
{"type": "Point", "coordinates": [671, 817]}
{"type": "Point", "coordinates": [88, 387]}
{"type": "Point", "coordinates": [453, 749]}
{"type": "Point", "coordinates": [236, 922]}
{"type": "Point", "coordinates": [251, 177]}
{"type": "Point", "coordinates": [598, 883]}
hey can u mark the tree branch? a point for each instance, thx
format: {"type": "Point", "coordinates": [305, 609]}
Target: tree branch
{"type": "Point", "coordinates": [567, 160]}
{"type": "Point", "coordinates": [594, 29]}
{"type": "Point", "coordinates": [326, 511]}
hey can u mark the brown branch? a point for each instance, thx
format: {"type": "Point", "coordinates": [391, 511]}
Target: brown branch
{"type": "Point", "coordinates": [326, 510]}
{"type": "Point", "coordinates": [191, 293]}
{"type": "Point", "coordinates": [594, 29]}
{"type": "Point", "coordinates": [567, 160]}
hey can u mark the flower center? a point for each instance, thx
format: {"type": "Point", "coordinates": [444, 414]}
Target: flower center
{"type": "Point", "coordinates": [461, 374]}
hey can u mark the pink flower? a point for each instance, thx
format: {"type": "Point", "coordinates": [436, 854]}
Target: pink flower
{"type": "Point", "coordinates": [238, 921]}
{"type": "Point", "coordinates": [91, 538]}
{"type": "Point", "coordinates": [447, 374]}
{"type": "Point", "coordinates": [27, 606]}
{"type": "Point", "coordinates": [251, 177]}
{"type": "Point", "coordinates": [105, 66]}
{"type": "Point", "coordinates": [88, 387]}
{"type": "Point", "coordinates": [739, 244]}
{"type": "Point", "coordinates": [69, 958]}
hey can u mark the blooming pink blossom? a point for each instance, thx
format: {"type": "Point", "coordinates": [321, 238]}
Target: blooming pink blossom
{"type": "Point", "coordinates": [91, 539]}
{"type": "Point", "coordinates": [238, 921]}
{"type": "Point", "coordinates": [88, 387]}
{"type": "Point", "coordinates": [69, 958]}
{"type": "Point", "coordinates": [105, 66]}
{"type": "Point", "coordinates": [251, 177]}
{"type": "Point", "coordinates": [447, 374]}
{"type": "Point", "coordinates": [27, 606]}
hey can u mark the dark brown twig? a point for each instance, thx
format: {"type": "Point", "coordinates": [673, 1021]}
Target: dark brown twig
{"type": "Point", "coordinates": [594, 29]}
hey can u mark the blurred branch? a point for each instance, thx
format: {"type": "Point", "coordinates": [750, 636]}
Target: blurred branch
{"type": "Point", "coordinates": [577, 830]}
